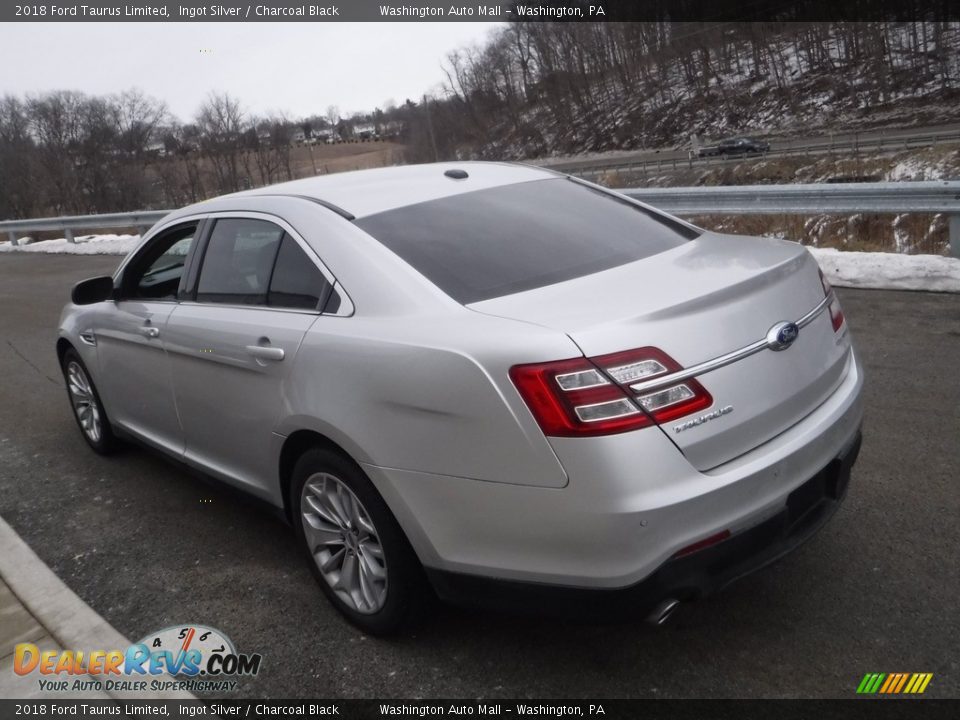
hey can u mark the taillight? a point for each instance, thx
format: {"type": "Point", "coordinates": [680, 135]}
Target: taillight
{"type": "Point", "coordinates": [592, 396]}
{"type": "Point", "coordinates": [836, 314]}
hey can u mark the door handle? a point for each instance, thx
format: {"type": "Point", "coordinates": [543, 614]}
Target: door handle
{"type": "Point", "coordinates": [150, 332]}
{"type": "Point", "coordinates": [265, 353]}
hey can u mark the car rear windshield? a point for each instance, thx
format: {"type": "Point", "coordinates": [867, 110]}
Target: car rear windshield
{"type": "Point", "coordinates": [489, 243]}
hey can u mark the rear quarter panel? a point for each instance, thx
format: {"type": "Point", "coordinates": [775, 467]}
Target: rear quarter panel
{"type": "Point", "coordinates": [429, 394]}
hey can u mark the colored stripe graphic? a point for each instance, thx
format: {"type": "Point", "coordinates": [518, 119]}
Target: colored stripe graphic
{"type": "Point", "coordinates": [892, 679]}
{"type": "Point", "coordinates": [894, 683]}
{"type": "Point", "coordinates": [867, 684]}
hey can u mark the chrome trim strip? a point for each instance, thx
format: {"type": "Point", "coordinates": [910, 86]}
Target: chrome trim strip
{"type": "Point", "coordinates": [723, 360]}
{"type": "Point", "coordinates": [811, 316]}
{"type": "Point", "coordinates": [347, 307]}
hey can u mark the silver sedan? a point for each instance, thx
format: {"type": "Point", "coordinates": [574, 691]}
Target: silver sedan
{"type": "Point", "coordinates": [510, 387]}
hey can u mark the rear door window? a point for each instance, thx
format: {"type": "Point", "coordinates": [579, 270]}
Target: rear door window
{"type": "Point", "coordinates": [238, 262]}
{"type": "Point", "coordinates": [488, 243]}
{"type": "Point", "coordinates": [297, 282]}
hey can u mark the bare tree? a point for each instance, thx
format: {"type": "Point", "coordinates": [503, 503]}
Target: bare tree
{"type": "Point", "coordinates": [333, 115]}
{"type": "Point", "coordinates": [55, 122]}
{"type": "Point", "coordinates": [18, 181]}
{"type": "Point", "coordinates": [139, 119]}
{"type": "Point", "coordinates": [221, 124]}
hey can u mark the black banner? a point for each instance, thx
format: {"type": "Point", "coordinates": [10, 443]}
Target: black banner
{"type": "Point", "coordinates": [473, 11]}
{"type": "Point", "coordinates": [854, 709]}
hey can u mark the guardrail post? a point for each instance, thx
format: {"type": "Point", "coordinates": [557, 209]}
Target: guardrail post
{"type": "Point", "coordinates": [13, 238]}
{"type": "Point", "coordinates": [142, 230]}
{"type": "Point", "coordinates": [68, 234]}
{"type": "Point", "coordinates": [955, 235]}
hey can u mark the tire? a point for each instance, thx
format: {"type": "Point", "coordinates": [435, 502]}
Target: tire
{"type": "Point", "coordinates": [350, 537]}
{"type": "Point", "coordinates": [87, 407]}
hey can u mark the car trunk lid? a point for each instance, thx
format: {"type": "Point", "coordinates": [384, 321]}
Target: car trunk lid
{"type": "Point", "coordinates": [705, 299]}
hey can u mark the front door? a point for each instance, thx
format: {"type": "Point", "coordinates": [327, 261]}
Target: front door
{"type": "Point", "coordinates": [134, 373]}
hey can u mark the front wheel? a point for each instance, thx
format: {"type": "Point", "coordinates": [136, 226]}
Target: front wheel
{"type": "Point", "coordinates": [87, 408]}
{"type": "Point", "coordinates": [357, 551]}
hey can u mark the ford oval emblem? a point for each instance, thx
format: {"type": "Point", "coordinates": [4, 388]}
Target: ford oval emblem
{"type": "Point", "coordinates": [782, 335]}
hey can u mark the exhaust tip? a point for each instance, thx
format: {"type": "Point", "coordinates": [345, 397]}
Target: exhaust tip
{"type": "Point", "coordinates": [663, 611]}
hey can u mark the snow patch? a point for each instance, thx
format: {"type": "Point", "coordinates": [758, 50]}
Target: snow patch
{"type": "Point", "coordinates": [84, 245]}
{"type": "Point", "coordinates": [889, 271]}
{"type": "Point", "coordinates": [912, 168]}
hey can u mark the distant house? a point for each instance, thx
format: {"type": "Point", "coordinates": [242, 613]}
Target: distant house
{"type": "Point", "coordinates": [325, 135]}
{"type": "Point", "coordinates": [298, 136]}
{"type": "Point", "coordinates": [391, 129]}
{"type": "Point", "coordinates": [365, 131]}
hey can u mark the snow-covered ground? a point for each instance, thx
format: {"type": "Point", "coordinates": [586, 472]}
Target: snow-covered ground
{"type": "Point", "coordinates": [84, 245]}
{"type": "Point", "coordinates": [888, 271]}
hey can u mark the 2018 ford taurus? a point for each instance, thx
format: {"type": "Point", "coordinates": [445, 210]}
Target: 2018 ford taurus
{"type": "Point", "coordinates": [509, 385]}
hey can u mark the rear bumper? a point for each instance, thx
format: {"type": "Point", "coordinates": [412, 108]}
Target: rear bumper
{"type": "Point", "coordinates": [631, 503]}
{"type": "Point", "coordinates": [685, 578]}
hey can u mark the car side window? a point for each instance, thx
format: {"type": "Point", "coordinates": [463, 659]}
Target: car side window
{"type": "Point", "coordinates": [155, 274]}
{"type": "Point", "coordinates": [297, 282]}
{"type": "Point", "coordinates": [238, 262]}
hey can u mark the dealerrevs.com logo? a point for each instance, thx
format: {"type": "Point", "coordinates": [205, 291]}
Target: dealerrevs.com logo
{"type": "Point", "coordinates": [199, 658]}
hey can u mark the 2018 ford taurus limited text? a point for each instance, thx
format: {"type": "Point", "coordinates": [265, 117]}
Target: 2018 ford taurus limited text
{"type": "Point", "coordinates": [508, 385]}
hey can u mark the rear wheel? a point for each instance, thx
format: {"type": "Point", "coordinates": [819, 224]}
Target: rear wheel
{"type": "Point", "coordinates": [357, 551]}
{"type": "Point", "coordinates": [87, 408]}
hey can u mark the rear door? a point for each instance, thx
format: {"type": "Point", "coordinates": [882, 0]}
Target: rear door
{"type": "Point", "coordinates": [232, 343]}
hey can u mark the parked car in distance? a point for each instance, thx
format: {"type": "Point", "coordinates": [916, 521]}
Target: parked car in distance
{"type": "Point", "coordinates": [517, 388]}
{"type": "Point", "coordinates": [735, 146]}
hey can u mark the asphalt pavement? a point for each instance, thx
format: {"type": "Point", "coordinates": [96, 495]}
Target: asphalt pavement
{"type": "Point", "coordinates": [148, 545]}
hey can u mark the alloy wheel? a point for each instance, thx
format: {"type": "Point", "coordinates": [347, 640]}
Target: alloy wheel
{"type": "Point", "coordinates": [84, 402]}
{"type": "Point", "coordinates": [344, 543]}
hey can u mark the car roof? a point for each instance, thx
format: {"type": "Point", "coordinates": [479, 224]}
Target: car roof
{"type": "Point", "coordinates": [368, 192]}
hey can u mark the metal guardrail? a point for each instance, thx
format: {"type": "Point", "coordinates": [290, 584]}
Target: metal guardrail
{"type": "Point", "coordinates": [142, 220]}
{"type": "Point", "coordinates": [813, 199]}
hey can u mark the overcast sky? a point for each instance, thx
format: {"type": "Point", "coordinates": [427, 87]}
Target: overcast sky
{"type": "Point", "coordinates": [296, 68]}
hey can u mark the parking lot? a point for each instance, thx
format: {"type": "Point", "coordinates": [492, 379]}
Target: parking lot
{"type": "Point", "coordinates": [148, 545]}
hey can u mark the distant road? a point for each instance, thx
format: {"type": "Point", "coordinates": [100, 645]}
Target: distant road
{"type": "Point", "coordinates": [780, 146]}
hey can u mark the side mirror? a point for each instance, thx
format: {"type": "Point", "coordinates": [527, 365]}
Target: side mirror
{"type": "Point", "coordinates": [94, 290]}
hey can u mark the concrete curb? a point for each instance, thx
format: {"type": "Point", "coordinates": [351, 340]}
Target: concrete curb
{"type": "Point", "coordinates": [67, 618]}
